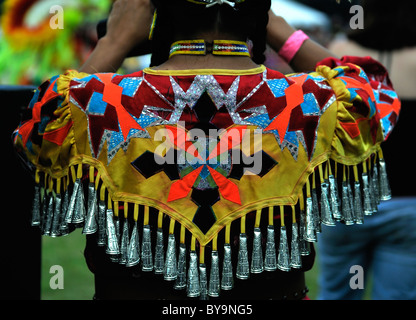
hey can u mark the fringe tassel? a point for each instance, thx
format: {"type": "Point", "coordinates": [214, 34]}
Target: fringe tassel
{"type": "Point", "coordinates": [257, 253]}
{"type": "Point", "coordinates": [270, 259]}
{"type": "Point", "coordinates": [170, 271]}
{"type": "Point", "coordinates": [214, 277]}
{"type": "Point", "coordinates": [227, 280]}
{"type": "Point", "coordinates": [283, 260]}
{"type": "Point", "coordinates": [295, 255]}
{"type": "Point", "coordinates": [243, 269]}
{"type": "Point", "coordinates": [193, 288]}
{"type": "Point", "coordinates": [147, 257]}
{"type": "Point", "coordinates": [133, 249]}
{"type": "Point", "coordinates": [159, 265]}
{"type": "Point", "coordinates": [59, 206]}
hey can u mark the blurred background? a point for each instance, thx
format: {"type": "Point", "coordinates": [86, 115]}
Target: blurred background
{"type": "Point", "coordinates": [31, 52]}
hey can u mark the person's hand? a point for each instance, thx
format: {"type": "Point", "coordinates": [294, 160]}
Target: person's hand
{"type": "Point", "coordinates": [129, 23]}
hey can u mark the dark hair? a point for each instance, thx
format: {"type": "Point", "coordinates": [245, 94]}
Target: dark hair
{"type": "Point", "coordinates": [389, 25]}
{"type": "Point", "coordinates": [184, 20]}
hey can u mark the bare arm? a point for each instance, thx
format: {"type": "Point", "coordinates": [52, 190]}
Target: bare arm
{"type": "Point", "coordinates": [128, 25]}
{"type": "Point", "coordinates": [278, 31]}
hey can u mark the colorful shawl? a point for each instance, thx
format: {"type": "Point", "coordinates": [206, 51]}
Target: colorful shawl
{"type": "Point", "coordinates": [204, 148]}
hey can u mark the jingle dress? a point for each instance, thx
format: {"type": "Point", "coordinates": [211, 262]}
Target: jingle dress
{"type": "Point", "coordinates": [160, 165]}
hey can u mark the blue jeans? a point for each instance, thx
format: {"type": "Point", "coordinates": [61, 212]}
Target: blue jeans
{"type": "Point", "coordinates": [385, 246]}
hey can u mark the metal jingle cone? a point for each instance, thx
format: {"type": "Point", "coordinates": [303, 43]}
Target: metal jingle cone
{"type": "Point", "coordinates": [181, 278]}
{"type": "Point", "coordinates": [295, 254]}
{"type": "Point", "coordinates": [334, 198]}
{"type": "Point", "coordinates": [112, 241]}
{"type": "Point", "coordinates": [133, 248]}
{"type": "Point", "coordinates": [36, 206]}
{"type": "Point", "coordinates": [57, 216]}
{"type": "Point", "coordinates": [374, 195]}
{"type": "Point", "coordinates": [368, 211]}
{"type": "Point", "coordinates": [227, 280]}
{"type": "Point", "coordinates": [102, 211]}
{"type": "Point", "coordinates": [72, 202]}
{"type": "Point", "coordinates": [358, 206]}
{"type": "Point", "coordinates": [384, 185]}
{"type": "Point", "coordinates": [283, 259]}
{"type": "Point", "coordinates": [63, 226]}
{"type": "Point", "coordinates": [90, 225]}
{"type": "Point", "coordinates": [346, 205]}
{"type": "Point", "coordinates": [326, 212]}
{"type": "Point", "coordinates": [124, 243]}
{"type": "Point", "coordinates": [147, 256]}
{"type": "Point", "coordinates": [257, 265]}
{"type": "Point", "coordinates": [315, 211]}
{"type": "Point", "coordinates": [214, 276]}
{"type": "Point", "coordinates": [270, 258]}
{"type": "Point", "coordinates": [78, 216]}
{"type": "Point", "coordinates": [47, 225]}
{"type": "Point", "coordinates": [193, 288]}
{"type": "Point", "coordinates": [311, 235]}
{"type": "Point", "coordinates": [170, 270]}
{"type": "Point", "coordinates": [243, 268]}
{"type": "Point", "coordinates": [203, 282]}
{"type": "Point", "coordinates": [159, 253]}
{"type": "Point", "coordinates": [376, 188]}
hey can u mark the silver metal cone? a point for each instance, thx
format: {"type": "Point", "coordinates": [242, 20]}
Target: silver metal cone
{"type": "Point", "coordinates": [243, 268]}
{"type": "Point", "coordinates": [181, 278]}
{"type": "Point", "coordinates": [57, 216]}
{"type": "Point", "coordinates": [203, 282]}
{"type": "Point", "coordinates": [159, 253]}
{"type": "Point", "coordinates": [90, 225]}
{"type": "Point", "coordinates": [36, 206]}
{"type": "Point", "coordinates": [346, 205]}
{"type": "Point", "coordinates": [326, 212]}
{"type": "Point", "coordinates": [147, 256]}
{"type": "Point", "coordinates": [214, 276]}
{"type": "Point", "coordinates": [358, 206]}
{"type": "Point", "coordinates": [170, 271]}
{"type": "Point", "coordinates": [102, 211]}
{"type": "Point", "coordinates": [385, 191]}
{"type": "Point", "coordinates": [78, 216]}
{"type": "Point", "coordinates": [376, 188]}
{"type": "Point", "coordinates": [124, 243]}
{"type": "Point", "coordinates": [193, 288]}
{"type": "Point", "coordinates": [315, 211]}
{"type": "Point", "coordinates": [367, 206]}
{"type": "Point", "coordinates": [283, 259]}
{"type": "Point", "coordinates": [133, 249]}
{"type": "Point", "coordinates": [47, 225]}
{"type": "Point", "coordinates": [257, 265]}
{"type": "Point", "coordinates": [334, 198]}
{"type": "Point", "coordinates": [311, 235]}
{"type": "Point", "coordinates": [295, 254]}
{"type": "Point", "coordinates": [270, 259]}
{"type": "Point", "coordinates": [72, 202]}
{"type": "Point", "coordinates": [63, 226]}
{"type": "Point", "coordinates": [112, 241]}
{"type": "Point", "coordinates": [227, 280]}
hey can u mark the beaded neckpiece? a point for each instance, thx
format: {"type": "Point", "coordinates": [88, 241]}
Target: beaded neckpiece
{"type": "Point", "coordinates": [218, 47]}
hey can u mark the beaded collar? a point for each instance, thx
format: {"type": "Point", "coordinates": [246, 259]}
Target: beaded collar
{"type": "Point", "coordinates": [218, 47]}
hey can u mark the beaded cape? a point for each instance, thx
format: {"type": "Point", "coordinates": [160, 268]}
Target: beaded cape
{"type": "Point", "coordinates": [205, 148]}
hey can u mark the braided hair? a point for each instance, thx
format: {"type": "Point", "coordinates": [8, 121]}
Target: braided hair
{"type": "Point", "coordinates": [183, 20]}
